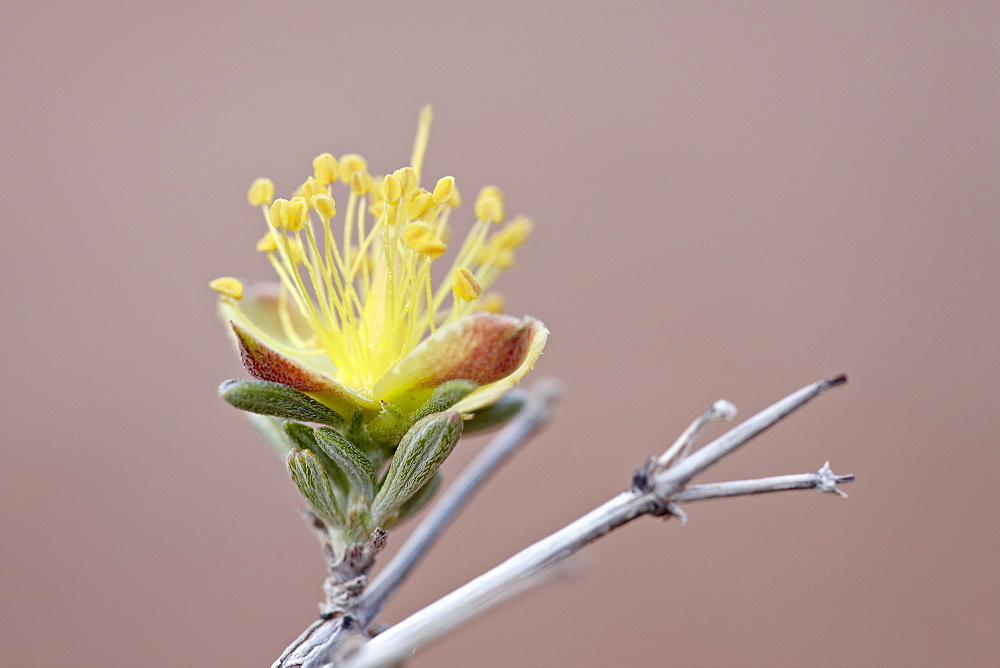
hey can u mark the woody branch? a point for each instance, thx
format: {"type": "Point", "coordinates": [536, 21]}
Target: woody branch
{"type": "Point", "coordinates": [658, 487]}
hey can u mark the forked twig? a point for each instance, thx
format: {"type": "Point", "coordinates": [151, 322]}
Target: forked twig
{"type": "Point", "coordinates": [657, 489]}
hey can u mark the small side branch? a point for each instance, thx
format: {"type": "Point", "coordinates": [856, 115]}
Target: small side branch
{"type": "Point", "coordinates": [824, 480]}
{"type": "Point", "coordinates": [670, 480]}
{"type": "Point", "coordinates": [657, 488]}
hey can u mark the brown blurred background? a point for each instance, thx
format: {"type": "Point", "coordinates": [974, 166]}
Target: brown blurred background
{"type": "Point", "coordinates": [732, 200]}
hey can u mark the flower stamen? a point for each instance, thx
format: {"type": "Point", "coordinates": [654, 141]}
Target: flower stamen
{"type": "Point", "coordinates": [369, 297]}
{"type": "Point", "coordinates": [228, 287]}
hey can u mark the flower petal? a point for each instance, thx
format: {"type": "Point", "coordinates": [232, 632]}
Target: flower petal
{"type": "Point", "coordinates": [265, 363]}
{"type": "Point", "coordinates": [488, 395]}
{"type": "Point", "coordinates": [486, 348]}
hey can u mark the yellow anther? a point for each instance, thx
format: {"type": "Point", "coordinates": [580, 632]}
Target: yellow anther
{"type": "Point", "coordinates": [324, 206]}
{"type": "Point", "coordinates": [489, 205]}
{"type": "Point", "coordinates": [443, 189]}
{"type": "Point", "coordinates": [267, 243]}
{"type": "Point", "coordinates": [278, 213]}
{"type": "Point", "coordinates": [503, 258]}
{"type": "Point", "coordinates": [325, 168]}
{"type": "Point", "coordinates": [361, 183]}
{"type": "Point", "coordinates": [420, 204]}
{"type": "Point", "coordinates": [456, 200]}
{"type": "Point", "coordinates": [391, 190]}
{"type": "Point", "coordinates": [228, 286]}
{"type": "Point", "coordinates": [513, 234]}
{"type": "Point", "coordinates": [298, 214]}
{"type": "Point", "coordinates": [493, 303]}
{"type": "Point", "coordinates": [350, 163]}
{"type": "Point", "coordinates": [482, 254]}
{"type": "Point", "coordinates": [309, 188]}
{"type": "Point", "coordinates": [407, 178]}
{"type": "Point", "coordinates": [465, 285]}
{"type": "Point", "coordinates": [431, 247]}
{"type": "Point", "coordinates": [414, 233]}
{"type": "Point", "coordinates": [491, 191]}
{"type": "Point", "coordinates": [261, 192]}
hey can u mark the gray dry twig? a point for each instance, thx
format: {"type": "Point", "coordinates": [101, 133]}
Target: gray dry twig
{"type": "Point", "coordinates": [657, 488]}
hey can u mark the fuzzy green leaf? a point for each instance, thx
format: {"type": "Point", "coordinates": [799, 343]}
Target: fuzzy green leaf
{"type": "Point", "coordinates": [445, 396]}
{"type": "Point", "coordinates": [266, 398]}
{"type": "Point", "coordinates": [349, 458]}
{"type": "Point", "coordinates": [310, 477]}
{"type": "Point", "coordinates": [304, 437]}
{"type": "Point", "coordinates": [356, 432]}
{"type": "Point", "coordinates": [387, 427]}
{"type": "Point", "coordinates": [420, 499]}
{"type": "Point", "coordinates": [421, 452]}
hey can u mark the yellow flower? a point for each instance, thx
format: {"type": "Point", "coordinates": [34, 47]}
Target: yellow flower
{"type": "Point", "coordinates": [356, 318]}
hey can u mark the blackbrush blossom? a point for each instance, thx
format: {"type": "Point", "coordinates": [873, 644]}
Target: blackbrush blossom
{"type": "Point", "coordinates": [356, 320]}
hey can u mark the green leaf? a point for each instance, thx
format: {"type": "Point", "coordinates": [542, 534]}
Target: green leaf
{"type": "Point", "coordinates": [310, 477]}
{"type": "Point", "coordinates": [349, 458]}
{"type": "Point", "coordinates": [357, 434]}
{"type": "Point", "coordinates": [445, 396]}
{"type": "Point", "coordinates": [496, 414]}
{"type": "Point", "coordinates": [421, 452]}
{"type": "Point", "coordinates": [304, 438]}
{"type": "Point", "coordinates": [420, 499]}
{"type": "Point", "coordinates": [302, 435]}
{"type": "Point", "coordinates": [266, 398]}
{"type": "Point", "coordinates": [271, 431]}
{"type": "Point", "coordinates": [387, 427]}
